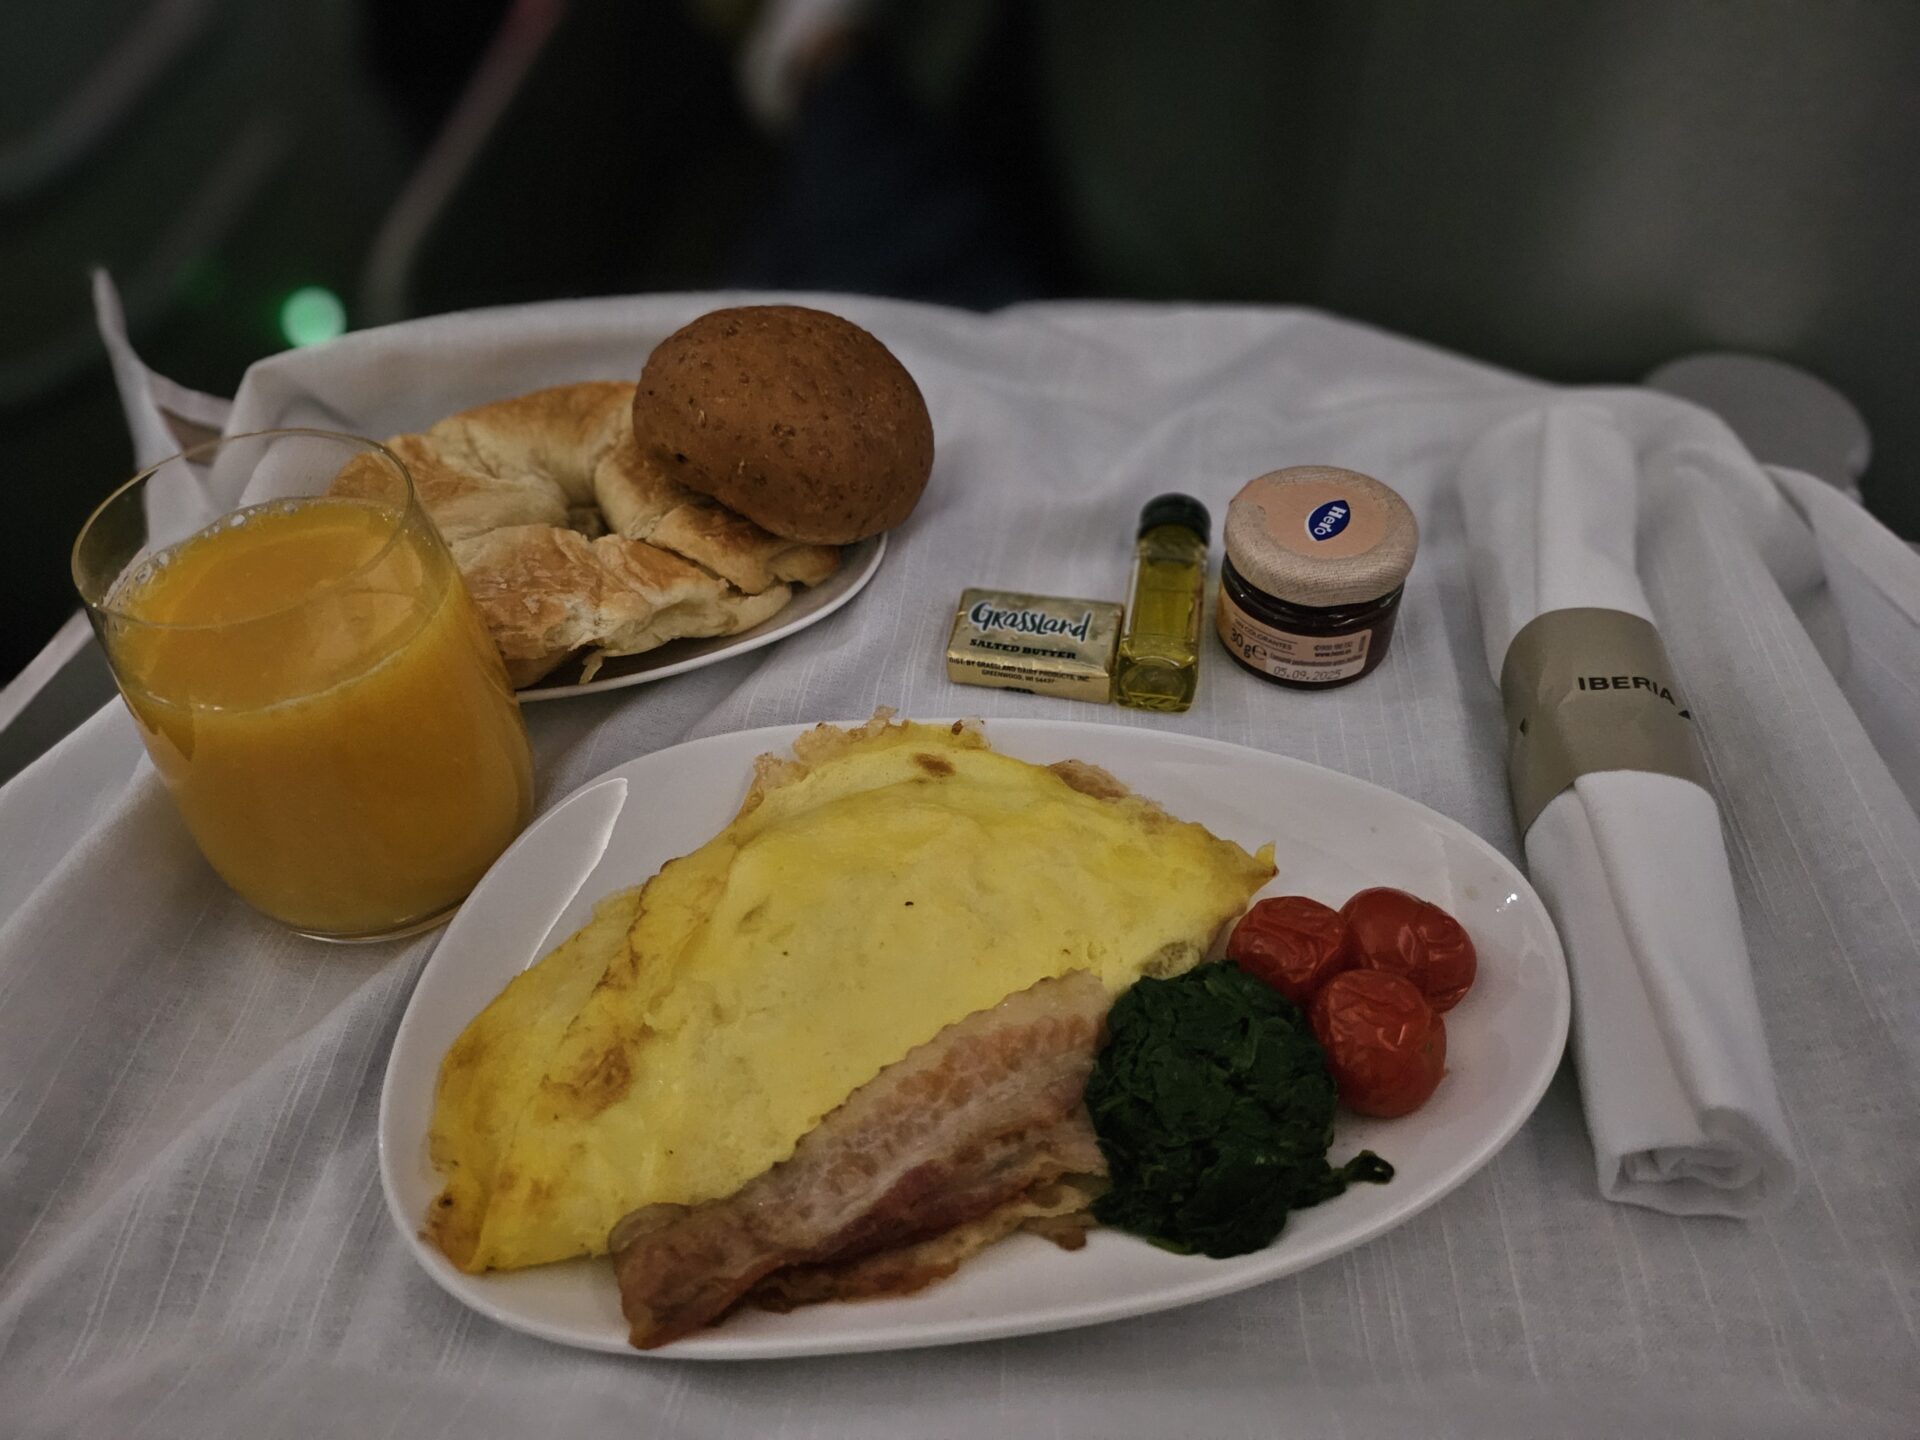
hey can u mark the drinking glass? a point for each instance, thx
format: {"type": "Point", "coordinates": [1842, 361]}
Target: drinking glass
{"type": "Point", "coordinates": [310, 679]}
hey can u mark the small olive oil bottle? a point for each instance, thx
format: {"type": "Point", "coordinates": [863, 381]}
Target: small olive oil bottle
{"type": "Point", "coordinates": [1159, 664]}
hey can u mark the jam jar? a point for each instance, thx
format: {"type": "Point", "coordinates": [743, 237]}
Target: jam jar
{"type": "Point", "coordinates": [1317, 558]}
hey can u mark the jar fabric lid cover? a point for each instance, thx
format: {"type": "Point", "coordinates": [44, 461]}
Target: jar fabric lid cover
{"type": "Point", "coordinates": [1320, 536]}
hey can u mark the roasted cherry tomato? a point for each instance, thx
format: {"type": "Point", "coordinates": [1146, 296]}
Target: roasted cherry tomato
{"type": "Point", "coordinates": [1293, 944]}
{"type": "Point", "coordinates": [1408, 936]}
{"type": "Point", "coordinates": [1386, 1046]}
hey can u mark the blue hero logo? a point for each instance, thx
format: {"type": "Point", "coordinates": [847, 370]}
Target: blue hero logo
{"type": "Point", "coordinates": [1329, 520]}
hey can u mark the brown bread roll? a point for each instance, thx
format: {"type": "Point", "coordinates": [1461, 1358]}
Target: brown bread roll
{"type": "Point", "coordinates": [799, 420]}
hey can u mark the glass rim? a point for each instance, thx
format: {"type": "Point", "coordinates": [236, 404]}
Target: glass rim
{"type": "Point", "coordinates": [362, 443]}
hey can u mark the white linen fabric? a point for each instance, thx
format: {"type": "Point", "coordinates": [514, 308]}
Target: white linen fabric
{"type": "Point", "coordinates": [1674, 1073]}
{"type": "Point", "coordinates": [192, 1235]}
{"type": "Point", "coordinates": [1869, 609]}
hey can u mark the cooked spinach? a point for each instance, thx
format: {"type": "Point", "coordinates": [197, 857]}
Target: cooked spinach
{"type": "Point", "coordinates": [1214, 1109]}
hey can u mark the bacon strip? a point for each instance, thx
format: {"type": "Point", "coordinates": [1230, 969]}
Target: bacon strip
{"type": "Point", "coordinates": [981, 1115]}
{"type": "Point", "coordinates": [1058, 1211]}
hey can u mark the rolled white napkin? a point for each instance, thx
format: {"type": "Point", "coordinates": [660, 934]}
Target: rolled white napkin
{"type": "Point", "coordinates": [164, 420]}
{"type": "Point", "coordinates": [1674, 1071]}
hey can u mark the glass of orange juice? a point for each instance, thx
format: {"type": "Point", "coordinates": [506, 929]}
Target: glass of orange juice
{"type": "Point", "coordinates": [310, 679]}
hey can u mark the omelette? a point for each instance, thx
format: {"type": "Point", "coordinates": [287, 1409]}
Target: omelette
{"type": "Point", "coordinates": [886, 883]}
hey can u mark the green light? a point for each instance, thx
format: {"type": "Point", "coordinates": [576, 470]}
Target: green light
{"type": "Point", "coordinates": [311, 314]}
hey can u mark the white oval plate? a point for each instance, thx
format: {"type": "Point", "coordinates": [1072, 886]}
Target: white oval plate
{"type": "Point", "coordinates": [1332, 835]}
{"type": "Point", "coordinates": [858, 562]}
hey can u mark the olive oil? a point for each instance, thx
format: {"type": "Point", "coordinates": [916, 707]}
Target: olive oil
{"type": "Point", "coordinates": [1159, 661]}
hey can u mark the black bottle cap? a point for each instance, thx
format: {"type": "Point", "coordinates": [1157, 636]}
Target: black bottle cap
{"type": "Point", "coordinates": [1176, 510]}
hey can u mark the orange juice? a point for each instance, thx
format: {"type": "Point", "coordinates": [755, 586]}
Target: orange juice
{"type": "Point", "coordinates": [334, 722]}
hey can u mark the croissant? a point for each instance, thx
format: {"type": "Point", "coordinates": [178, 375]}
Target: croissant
{"type": "Point", "coordinates": [571, 541]}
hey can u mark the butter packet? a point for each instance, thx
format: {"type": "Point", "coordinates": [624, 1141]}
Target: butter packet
{"type": "Point", "coordinates": [1038, 644]}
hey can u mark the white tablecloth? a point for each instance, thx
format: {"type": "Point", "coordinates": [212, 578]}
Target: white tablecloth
{"type": "Point", "coordinates": [192, 1235]}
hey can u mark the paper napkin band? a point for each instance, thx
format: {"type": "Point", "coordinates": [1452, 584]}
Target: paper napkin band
{"type": "Point", "coordinates": [1588, 690]}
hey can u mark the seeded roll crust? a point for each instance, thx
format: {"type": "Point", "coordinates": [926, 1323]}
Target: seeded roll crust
{"type": "Point", "coordinates": [799, 420]}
